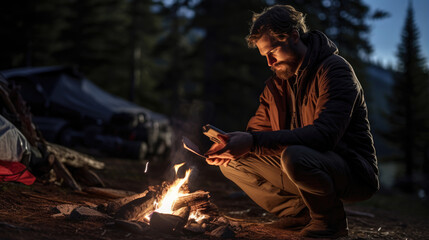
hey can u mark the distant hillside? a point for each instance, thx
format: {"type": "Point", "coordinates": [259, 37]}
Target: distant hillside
{"type": "Point", "coordinates": [380, 82]}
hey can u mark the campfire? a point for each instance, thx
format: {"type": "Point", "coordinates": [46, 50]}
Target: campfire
{"type": "Point", "coordinates": [166, 209]}
{"type": "Point", "coordinates": [167, 215]}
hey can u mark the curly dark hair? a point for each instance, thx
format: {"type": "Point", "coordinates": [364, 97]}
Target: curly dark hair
{"type": "Point", "coordinates": [276, 21]}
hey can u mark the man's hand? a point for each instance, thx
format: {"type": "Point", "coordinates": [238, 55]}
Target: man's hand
{"type": "Point", "coordinates": [232, 146]}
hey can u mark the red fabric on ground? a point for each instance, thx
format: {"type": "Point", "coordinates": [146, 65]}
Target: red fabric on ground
{"type": "Point", "coordinates": [15, 172]}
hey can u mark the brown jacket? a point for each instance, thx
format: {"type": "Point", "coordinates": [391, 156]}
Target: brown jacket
{"type": "Point", "coordinates": [325, 111]}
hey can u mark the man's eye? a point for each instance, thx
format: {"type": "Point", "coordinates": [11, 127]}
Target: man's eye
{"type": "Point", "coordinates": [274, 50]}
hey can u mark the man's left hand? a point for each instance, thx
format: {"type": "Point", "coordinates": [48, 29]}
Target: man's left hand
{"type": "Point", "coordinates": [232, 146]}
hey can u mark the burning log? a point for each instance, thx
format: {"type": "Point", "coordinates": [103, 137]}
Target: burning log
{"type": "Point", "coordinates": [198, 201]}
{"type": "Point", "coordinates": [191, 199]}
{"type": "Point", "coordinates": [167, 223]}
{"type": "Point", "coordinates": [138, 208]}
{"type": "Point", "coordinates": [196, 227]}
{"type": "Point", "coordinates": [113, 206]}
{"type": "Point", "coordinates": [183, 212]}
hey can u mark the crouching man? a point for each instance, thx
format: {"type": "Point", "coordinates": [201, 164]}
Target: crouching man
{"type": "Point", "coordinates": [308, 148]}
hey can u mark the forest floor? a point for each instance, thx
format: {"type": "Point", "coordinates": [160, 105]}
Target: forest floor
{"type": "Point", "coordinates": [26, 211]}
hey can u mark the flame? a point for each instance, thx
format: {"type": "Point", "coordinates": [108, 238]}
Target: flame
{"type": "Point", "coordinates": [197, 216]}
{"type": "Point", "coordinates": [177, 166]}
{"type": "Point", "coordinates": [165, 205]}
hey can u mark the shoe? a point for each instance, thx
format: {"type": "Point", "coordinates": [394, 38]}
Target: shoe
{"type": "Point", "coordinates": [323, 229]}
{"type": "Point", "coordinates": [292, 222]}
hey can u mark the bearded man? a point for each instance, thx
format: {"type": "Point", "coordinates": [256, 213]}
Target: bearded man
{"type": "Point", "coordinates": [309, 147]}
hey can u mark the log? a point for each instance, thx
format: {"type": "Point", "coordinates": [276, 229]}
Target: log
{"type": "Point", "coordinates": [137, 209]}
{"type": "Point", "coordinates": [62, 172]}
{"type": "Point", "coordinates": [167, 223]}
{"type": "Point", "coordinates": [183, 212]}
{"type": "Point", "coordinates": [87, 177]}
{"type": "Point", "coordinates": [193, 198]}
{"type": "Point", "coordinates": [73, 158]}
{"type": "Point", "coordinates": [113, 206]}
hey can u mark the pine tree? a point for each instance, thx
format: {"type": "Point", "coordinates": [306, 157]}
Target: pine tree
{"type": "Point", "coordinates": [144, 32]}
{"type": "Point", "coordinates": [409, 111]}
{"type": "Point", "coordinates": [230, 75]}
{"type": "Point", "coordinates": [96, 41]}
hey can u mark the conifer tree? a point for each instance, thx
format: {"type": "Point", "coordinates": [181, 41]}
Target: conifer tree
{"type": "Point", "coordinates": [409, 111]}
{"type": "Point", "coordinates": [144, 32]}
{"type": "Point", "coordinates": [96, 41]}
{"type": "Point", "coordinates": [230, 75]}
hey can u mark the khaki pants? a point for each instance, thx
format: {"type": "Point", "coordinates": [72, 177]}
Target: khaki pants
{"type": "Point", "coordinates": [301, 177]}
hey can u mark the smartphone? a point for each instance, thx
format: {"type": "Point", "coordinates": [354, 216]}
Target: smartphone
{"type": "Point", "coordinates": [212, 132]}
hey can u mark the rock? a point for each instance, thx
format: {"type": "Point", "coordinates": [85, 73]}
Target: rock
{"type": "Point", "coordinates": [64, 209]}
{"type": "Point", "coordinates": [81, 213]}
{"type": "Point", "coordinates": [132, 226]}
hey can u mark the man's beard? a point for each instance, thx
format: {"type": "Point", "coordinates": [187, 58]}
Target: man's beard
{"type": "Point", "coordinates": [289, 67]}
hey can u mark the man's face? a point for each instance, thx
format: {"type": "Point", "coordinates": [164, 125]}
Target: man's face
{"type": "Point", "coordinates": [282, 57]}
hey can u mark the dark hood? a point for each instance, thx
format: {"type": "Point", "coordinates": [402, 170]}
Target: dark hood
{"type": "Point", "coordinates": [319, 47]}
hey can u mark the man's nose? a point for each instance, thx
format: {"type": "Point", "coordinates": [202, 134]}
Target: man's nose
{"type": "Point", "coordinates": [271, 60]}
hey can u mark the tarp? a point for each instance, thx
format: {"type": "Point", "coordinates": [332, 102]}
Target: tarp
{"type": "Point", "coordinates": [67, 88]}
{"type": "Point", "coordinates": [13, 144]}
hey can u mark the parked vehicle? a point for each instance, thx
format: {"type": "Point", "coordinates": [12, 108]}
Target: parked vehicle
{"type": "Point", "coordinates": [70, 110]}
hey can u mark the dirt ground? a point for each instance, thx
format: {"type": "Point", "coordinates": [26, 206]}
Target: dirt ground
{"type": "Point", "coordinates": [26, 211]}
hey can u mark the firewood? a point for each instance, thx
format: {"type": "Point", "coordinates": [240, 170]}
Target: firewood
{"type": "Point", "coordinates": [108, 192]}
{"type": "Point", "coordinates": [167, 223]}
{"type": "Point", "coordinates": [196, 227]}
{"type": "Point", "coordinates": [138, 208]}
{"type": "Point", "coordinates": [63, 173]}
{"type": "Point", "coordinates": [87, 177]}
{"type": "Point", "coordinates": [183, 212]}
{"type": "Point", "coordinates": [114, 206]}
{"type": "Point", "coordinates": [73, 158]}
{"type": "Point", "coordinates": [191, 199]}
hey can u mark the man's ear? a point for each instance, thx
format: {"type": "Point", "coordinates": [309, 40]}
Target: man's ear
{"type": "Point", "coordinates": [294, 36]}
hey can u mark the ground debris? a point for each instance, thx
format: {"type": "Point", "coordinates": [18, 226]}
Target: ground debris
{"type": "Point", "coordinates": [223, 232]}
{"type": "Point", "coordinates": [108, 192]}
